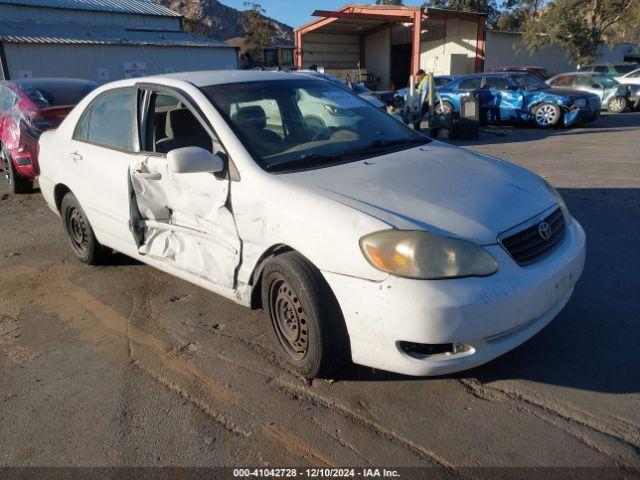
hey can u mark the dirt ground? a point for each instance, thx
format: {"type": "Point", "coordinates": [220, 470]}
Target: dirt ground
{"type": "Point", "coordinates": [126, 365]}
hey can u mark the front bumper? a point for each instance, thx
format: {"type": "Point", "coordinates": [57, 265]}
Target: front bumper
{"type": "Point", "coordinates": [580, 115]}
{"type": "Point", "coordinates": [488, 316]}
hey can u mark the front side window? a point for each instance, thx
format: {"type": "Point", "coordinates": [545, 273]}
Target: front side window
{"type": "Point", "coordinates": [110, 121]}
{"type": "Point", "coordinates": [173, 125]}
{"type": "Point", "coordinates": [470, 83]}
{"type": "Point", "coordinates": [294, 123]}
{"type": "Point", "coordinates": [622, 69]}
{"type": "Point", "coordinates": [529, 82]}
{"type": "Point", "coordinates": [497, 83]}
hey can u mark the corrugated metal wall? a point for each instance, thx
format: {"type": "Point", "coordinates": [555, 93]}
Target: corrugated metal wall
{"type": "Point", "coordinates": [505, 49]}
{"type": "Point", "coordinates": [455, 52]}
{"type": "Point", "coordinates": [333, 51]}
{"type": "Point", "coordinates": [53, 15]}
{"type": "Point", "coordinates": [377, 54]}
{"type": "Point", "coordinates": [92, 61]}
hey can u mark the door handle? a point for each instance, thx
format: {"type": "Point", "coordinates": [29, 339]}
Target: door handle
{"type": "Point", "coordinates": [147, 175]}
{"type": "Point", "coordinates": [75, 156]}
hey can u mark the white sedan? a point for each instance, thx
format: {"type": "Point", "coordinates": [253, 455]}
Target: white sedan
{"type": "Point", "coordinates": [631, 78]}
{"type": "Point", "coordinates": [361, 239]}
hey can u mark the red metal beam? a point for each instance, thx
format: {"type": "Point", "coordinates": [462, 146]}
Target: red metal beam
{"type": "Point", "coordinates": [297, 54]}
{"type": "Point", "coordinates": [415, 44]}
{"type": "Point", "coordinates": [360, 16]}
{"type": "Point", "coordinates": [480, 40]}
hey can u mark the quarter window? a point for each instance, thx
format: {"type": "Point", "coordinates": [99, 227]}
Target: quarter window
{"type": "Point", "coordinates": [110, 120]}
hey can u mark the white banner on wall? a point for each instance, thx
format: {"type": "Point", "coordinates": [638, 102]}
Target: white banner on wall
{"type": "Point", "coordinates": [135, 69]}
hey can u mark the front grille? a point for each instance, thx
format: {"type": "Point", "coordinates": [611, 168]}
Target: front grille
{"type": "Point", "coordinates": [535, 241]}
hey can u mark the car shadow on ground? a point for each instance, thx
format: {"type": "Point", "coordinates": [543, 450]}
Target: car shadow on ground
{"type": "Point", "coordinates": [607, 123]}
{"type": "Point", "coordinates": [593, 344]}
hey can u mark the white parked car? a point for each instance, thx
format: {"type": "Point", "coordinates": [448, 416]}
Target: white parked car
{"type": "Point", "coordinates": [631, 78]}
{"type": "Point", "coordinates": [365, 241]}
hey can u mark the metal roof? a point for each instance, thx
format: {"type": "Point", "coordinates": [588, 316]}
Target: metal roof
{"type": "Point", "coordinates": [73, 33]}
{"type": "Point", "coordinates": [143, 7]}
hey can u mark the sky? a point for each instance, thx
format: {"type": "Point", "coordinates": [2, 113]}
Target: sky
{"type": "Point", "coordinates": [298, 12]}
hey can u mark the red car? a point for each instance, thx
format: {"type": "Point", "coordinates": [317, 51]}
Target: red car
{"type": "Point", "coordinates": [539, 72]}
{"type": "Point", "coordinates": [28, 108]}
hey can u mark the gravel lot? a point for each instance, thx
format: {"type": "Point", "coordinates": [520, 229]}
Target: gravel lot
{"type": "Point", "coordinates": [126, 365]}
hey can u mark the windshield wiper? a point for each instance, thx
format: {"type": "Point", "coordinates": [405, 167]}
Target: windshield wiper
{"type": "Point", "coordinates": [315, 159]}
{"type": "Point", "coordinates": [377, 145]}
{"type": "Point", "coordinates": [305, 160]}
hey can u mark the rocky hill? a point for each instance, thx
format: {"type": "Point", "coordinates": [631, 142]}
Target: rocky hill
{"type": "Point", "coordinates": [212, 18]}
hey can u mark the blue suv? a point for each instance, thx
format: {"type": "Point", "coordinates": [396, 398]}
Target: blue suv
{"type": "Point", "coordinates": [519, 97]}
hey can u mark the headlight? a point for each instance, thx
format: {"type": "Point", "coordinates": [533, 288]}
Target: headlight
{"type": "Point", "coordinates": [427, 256]}
{"type": "Point", "coordinates": [560, 200]}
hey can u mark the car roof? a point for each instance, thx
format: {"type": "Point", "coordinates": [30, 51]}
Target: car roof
{"type": "Point", "coordinates": [610, 64]}
{"type": "Point", "coordinates": [219, 77]}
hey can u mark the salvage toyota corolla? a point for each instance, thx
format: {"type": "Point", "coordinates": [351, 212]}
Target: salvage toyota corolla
{"type": "Point", "coordinates": [360, 238]}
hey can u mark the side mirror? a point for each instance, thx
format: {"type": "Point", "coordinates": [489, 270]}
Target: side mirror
{"type": "Point", "coordinates": [597, 85]}
{"type": "Point", "coordinates": [194, 160]}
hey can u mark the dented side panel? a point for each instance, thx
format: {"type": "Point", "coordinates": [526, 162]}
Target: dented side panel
{"type": "Point", "coordinates": [185, 220]}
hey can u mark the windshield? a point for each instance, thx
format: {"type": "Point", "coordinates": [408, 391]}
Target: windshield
{"type": "Point", "coordinates": [624, 68]}
{"type": "Point", "coordinates": [529, 82]}
{"type": "Point", "coordinates": [307, 123]}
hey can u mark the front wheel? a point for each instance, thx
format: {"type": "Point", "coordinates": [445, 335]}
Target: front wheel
{"type": "Point", "coordinates": [305, 316]}
{"type": "Point", "coordinates": [443, 108]}
{"type": "Point", "coordinates": [547, 115]}
{"type": "Point", "coordinates": [617, 104]}
{"type": "Point", "coordinates": [81, 237]}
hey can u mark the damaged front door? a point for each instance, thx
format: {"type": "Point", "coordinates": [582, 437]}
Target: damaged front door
{"type": "Point", "coordinates": [184, 219]}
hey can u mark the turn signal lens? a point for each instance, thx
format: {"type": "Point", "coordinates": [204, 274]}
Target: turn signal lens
{"type": "Point", "coordinates": [424, 255]}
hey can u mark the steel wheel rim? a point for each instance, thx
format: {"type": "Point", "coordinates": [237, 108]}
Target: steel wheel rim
{"type": "Point", "coordinates": [78, 231]}
{"type": "Point", "coordinates": [616, 103]}
{"type": "Point", "coordinates": [546, 115]}
{"type": "Point", "coordinates": [442, 109]}
{"type": "Point", "coordinates": [289, 319]}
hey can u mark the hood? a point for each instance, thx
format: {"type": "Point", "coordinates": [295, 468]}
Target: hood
{"type": "Point", "coordinates": [438, 188]}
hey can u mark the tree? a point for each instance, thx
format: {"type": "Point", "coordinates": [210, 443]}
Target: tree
{"type": "Point", "coordinates": [388, 2]}
{"type": "Point", "coordinates": [580, 26]}
{"type": "Point", "coordinates": [516, 13]}
{"type": "Point", "coordinates": [488, 7]}
{"type": "Point", "coordinates": [259, 32]}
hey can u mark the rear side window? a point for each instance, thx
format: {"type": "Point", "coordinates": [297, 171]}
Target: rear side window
{"type": "Point", "coordinates": [470, 83]}
{"type": "Point", "coordinates": [563, 81]}
{"type": "Point", "coordinates": [110, 121]}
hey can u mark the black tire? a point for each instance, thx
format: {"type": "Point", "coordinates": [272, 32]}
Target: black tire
{"type": "Point", "coordinates": [617, 104]}
{"type": "Point", "coordinates": [547, 115]}
{"type": "Point", "coordinates": [81, 237]}
{"type": "Point", "coordinates": [17, 184]}
{"type": "Point", "coordinates": [305, 315]}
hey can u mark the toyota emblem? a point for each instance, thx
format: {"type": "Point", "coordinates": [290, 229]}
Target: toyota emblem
{"type": "Point", "coordinates": [544, 230]}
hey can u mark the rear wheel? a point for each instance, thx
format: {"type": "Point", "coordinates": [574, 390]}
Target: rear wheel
{"type": "Point", "coordinates": [81, 237]}
{"type": "Point", "coordinates": [305, 316]}
{"type": "Point", "coordinates": [547, 115]}
{"type": "Point", "coordinates": [617, 104]}
{"type": "Point", "coordinates": [16, 183]}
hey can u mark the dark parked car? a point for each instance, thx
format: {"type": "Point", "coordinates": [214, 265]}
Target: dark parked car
{"type": "Point", "coordinates": [520, 97]}
{"type": "Point", "coordinates": [539, 72]}
{"type": "Point", "coordinates": [28, 108]}
{"type": "Point", "coordinates": [611, 69]}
